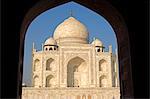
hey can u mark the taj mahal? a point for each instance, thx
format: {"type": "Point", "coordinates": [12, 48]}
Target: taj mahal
{"type": "Point", "coordinates": [69, 67]}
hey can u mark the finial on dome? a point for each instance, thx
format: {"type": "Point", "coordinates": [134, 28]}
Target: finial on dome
{"type": "Point", "coordinates": [71, 13]}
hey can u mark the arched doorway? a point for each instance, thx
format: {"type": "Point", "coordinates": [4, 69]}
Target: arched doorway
{"type": "Point", "coordinates": [77, 71]}
{"type": "Point", "coordinates": [115, 19]}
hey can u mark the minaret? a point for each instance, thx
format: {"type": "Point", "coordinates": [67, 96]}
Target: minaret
{"type": "Point", "coordinates": [33, 50]}
{"type": "Point", "coordinates": [117, 68]}
{"type": "Point", "coordinates": [42, 46]}
{"type": "Point", "coordinates": [110, 49]}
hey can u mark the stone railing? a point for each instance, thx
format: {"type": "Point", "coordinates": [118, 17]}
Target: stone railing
{"type": "Point", "coordinates": [70, 93]}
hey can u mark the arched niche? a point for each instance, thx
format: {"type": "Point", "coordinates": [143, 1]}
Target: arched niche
{"type": "Point", "coordinates": [103, 81]}
{"type": "Point", "coordinates": [50, 81]}
{"type": "Point", "coordinates": [36, 81]}
{"type": "Point", "coordinates": [77, 71]}
{"type": "Point", "coordinates": [36, 65]}
{"type": "Point", "coordinates": [101, 7]}
{"type": "Point", "coordinates": [103, 65]}
{"type": "Point", "coordinates": [50, 64]}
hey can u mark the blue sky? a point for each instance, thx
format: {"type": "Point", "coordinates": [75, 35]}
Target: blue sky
{"type": "Point", "coordinates": [43, 26]}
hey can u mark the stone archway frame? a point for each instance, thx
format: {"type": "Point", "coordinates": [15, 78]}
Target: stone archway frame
{"type": "Point", "coordinates": [102, 8]}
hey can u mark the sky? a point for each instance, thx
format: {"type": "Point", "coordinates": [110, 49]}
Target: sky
{"type": "Point", "coordinates": [43, 26]}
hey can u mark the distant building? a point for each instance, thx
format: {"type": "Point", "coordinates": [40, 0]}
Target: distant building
{"type": "Point", "coordinates": [68, 67]}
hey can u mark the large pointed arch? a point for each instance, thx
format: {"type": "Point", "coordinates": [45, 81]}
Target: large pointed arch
{"type": "Point", "coordinates": [101, 7]}
{"type": "Point", "coordinates": [77, 69]}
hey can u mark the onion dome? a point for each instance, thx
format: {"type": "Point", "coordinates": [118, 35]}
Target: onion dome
{"type": "Point", "coordinates": [50, 41]}
{"type": "Point", "coordinates": [71, 31]}
{"type": "Point", "coordinates": [97, 42]}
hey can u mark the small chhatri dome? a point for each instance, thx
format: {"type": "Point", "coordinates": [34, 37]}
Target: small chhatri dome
{"type": "Point", "coordinates": [50, 41]}
{"type": "Point", "coordinates": [97, 42]}
{"type": "Point", "coordinates": [71, 31]}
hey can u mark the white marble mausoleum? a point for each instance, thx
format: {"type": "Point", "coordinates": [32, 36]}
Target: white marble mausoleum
{"type": "Point", "coordinates": [69, 67]}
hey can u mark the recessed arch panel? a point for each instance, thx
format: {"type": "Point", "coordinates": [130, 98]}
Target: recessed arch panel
{"type": "Point", "coordinates": [50, 64]}
{"type": "Point", "coordinates": [36, 64]}
{"type": "Point", "coordinates": [36, 81]}
{"type": "Point", "coordinates": [103, 81]}
{"type": "Point", "coordinates": [50, 81]}
{"type": "Point", "coordinates": [103, 65]}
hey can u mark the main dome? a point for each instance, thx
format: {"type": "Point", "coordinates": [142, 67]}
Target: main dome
{"type": "Point", "coordinates": [71, 31]}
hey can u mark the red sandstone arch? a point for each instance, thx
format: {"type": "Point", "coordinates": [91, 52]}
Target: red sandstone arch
{"type": "Point", "coordinates": [110, 14]}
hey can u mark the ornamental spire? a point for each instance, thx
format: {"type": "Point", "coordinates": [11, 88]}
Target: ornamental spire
{"type": "Point", "coordinates": [33, 47]}
{"type": "Point", "coordinates": [71, 13]}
